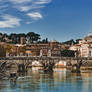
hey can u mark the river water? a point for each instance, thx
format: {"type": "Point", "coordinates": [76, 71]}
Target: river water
{"type": "Point", "coordinates": [61, 80]}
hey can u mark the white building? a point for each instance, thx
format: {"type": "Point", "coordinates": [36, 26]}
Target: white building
{"type": "Point", "coordinates": [84, 47]}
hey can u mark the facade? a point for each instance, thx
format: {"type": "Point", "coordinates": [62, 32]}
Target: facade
{"type": "Point", "coordinates": [48, 49]}
{"type": "Point", "coordinates": [55, 48]}
{"type": "Point", "coordinates": [32, 50]}
{"type": "Point", "coordinates": [37, 49]}
{"type": "Point", "coordinates": [84, 47]}
{"type": "Point", "coordinates": [2, 51]}
{"type": "Point", "coordinates": [22, 40]}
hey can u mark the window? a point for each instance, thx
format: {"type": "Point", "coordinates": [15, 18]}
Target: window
{"type": "Point", "coordinates": [89, 45]}
{"type": "Point", "coordinates": [89, 53]}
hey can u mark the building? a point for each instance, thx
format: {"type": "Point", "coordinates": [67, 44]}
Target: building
{"type": "Point", "coordinates": [55, 48]}
{"type": "Point", "coordinates": [2, 51]}
{"type": "Point", "coordinates": [84, 47]}
{"type": "Point", "coordinates": [32, 50]}
{"type": "Point", "coordinates": [44, 49]}
{"type": "Point", "coordinates": [22, 40]}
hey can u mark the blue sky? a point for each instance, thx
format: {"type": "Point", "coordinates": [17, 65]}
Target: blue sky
{"type": "Point", "coordinates": [56, 19]}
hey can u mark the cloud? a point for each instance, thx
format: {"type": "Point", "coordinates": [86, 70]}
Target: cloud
{"type": "Point", "coordinates": [29, 22]}
{"type": "Point", "coordinates": [26, 5]}
{"type": "Point", "coordinates": [9, 21]}
{"type": "Point", "coordinates": [42, 1]}
{"type": "Point", "coordinates": [24, 8]}
{"type": "Point", "coordinates": [28, 10]}
{"type": "Point", "coordinates": [20, 1]}
{"type": "Point", "coordinates": [35, 15]}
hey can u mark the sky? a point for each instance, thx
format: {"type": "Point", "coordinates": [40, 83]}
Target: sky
{"type": "Point", "coordinates": [59, 20]}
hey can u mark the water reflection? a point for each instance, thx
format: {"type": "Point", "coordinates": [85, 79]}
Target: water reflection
{"type": "Point", "coordinates": [36, 80]}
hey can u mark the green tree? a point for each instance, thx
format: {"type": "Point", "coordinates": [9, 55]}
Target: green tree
{"type": "Point", "coordinates": [19, 37]}
{"type": "Point", "coordinates": [70, 42]}
{"type": "Point", "coordinates": [33, 37]}
{"type": "Point", "coordinates": [4, 36]}
{"type": "Point", "coordinates": [77, 41]}
{"type": "Point", "coordinates": [13, 37]}
{"type": "Point", "coordinates": [45, 40]}
{"type": "Point", "coordinates": [68, 53]}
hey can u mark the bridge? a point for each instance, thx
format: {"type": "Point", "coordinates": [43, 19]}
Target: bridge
{"type": "Point", "coordinates": [48, 63]}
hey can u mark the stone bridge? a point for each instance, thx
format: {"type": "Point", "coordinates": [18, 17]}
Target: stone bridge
{"type": "Point", "coordinates": [22, 63]}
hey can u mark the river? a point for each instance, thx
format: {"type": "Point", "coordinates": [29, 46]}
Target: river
{"type": "Point", "coordinates": [61, 80]}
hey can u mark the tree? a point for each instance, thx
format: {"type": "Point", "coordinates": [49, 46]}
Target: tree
{"type": "Point", "coordinates": [13, 37]}
{"type": "Point", "coordinates": [45, 40]}
{"type": "Point", "coordinates": [4, 36]}
{"type": "Point", "coordinates": [70, 42]}
{"type": "Point", "coordinates": [77, 41]}
{"type": "Point", "coordinates": [33, 37]}
{"type": "Point", "coordinates": [1, 34]}
{"type": "Point", "coordinates": [68, 53]}
{"type": "Point", "coordinates": [19, 37]}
